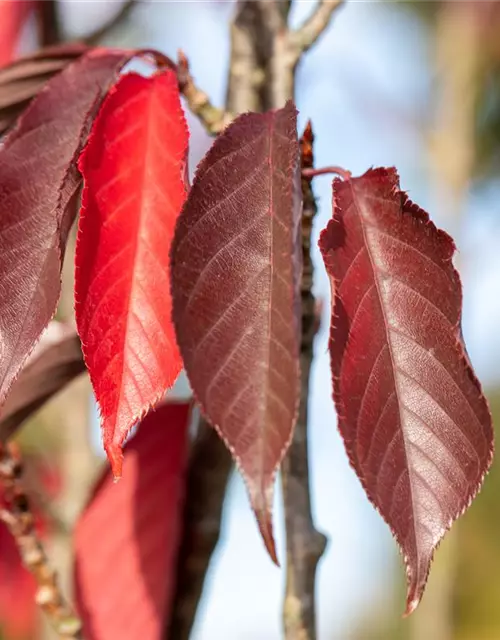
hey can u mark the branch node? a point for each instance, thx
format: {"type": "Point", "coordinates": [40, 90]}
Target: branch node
{"type": "Point", "coordinates": [305, 36]}
{"type": "Point", "coordinates": [213, 119]}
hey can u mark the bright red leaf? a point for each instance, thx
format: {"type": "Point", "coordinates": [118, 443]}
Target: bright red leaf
{"type": "Point", "coordinates": [38, 185]}
{"type": "Point", "coordinates": [127, 538]}
{"type": "Point", "coordinates": [416, 426]}
{"type": "Point", "coordinates": [13, 14]}
{"type": "Point", "coordinates": [18, 608]}
{"type": "Point", "coordinates": [236, 266]}
{"type": "Point", "coordinates": [133, 167]}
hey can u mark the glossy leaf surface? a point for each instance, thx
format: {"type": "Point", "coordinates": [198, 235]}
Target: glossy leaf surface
{"type": "Point", "coordinates": [127, 538]}
{"type": "Point", "coordinates": [415, 424]}
{"type": "Point", "coordinates": [236, 266]}
{"type": "Point", "coordinates": [133, 167]}
{"type": "Point", "coordinates": [38, 185]}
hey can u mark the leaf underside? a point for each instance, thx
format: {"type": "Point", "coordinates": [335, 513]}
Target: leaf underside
{"type": "Point", "coordinates": [127, 538]}
{"type": "Point", "coordinates": [21, 80]}
{"type": "Point", "coordinates": [133, 167]}
{"type": "Point", "coordinates": [415, 424]}
{"type": "Point", "coordinates": [38, 185]}
{"type": "Point", "coordinates": [55, 366]}
{"type": "Point", "coordinates": [236, 266]}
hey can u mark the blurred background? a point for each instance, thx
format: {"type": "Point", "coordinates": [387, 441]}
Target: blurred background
{"type": "Point", "coordinates": [410, 84]}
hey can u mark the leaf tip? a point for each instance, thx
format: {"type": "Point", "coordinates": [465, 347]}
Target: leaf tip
{"type": "Point", "coordinates": [115, 457]}
{"type": "Point", "coordinates": [266, 531]}
{"type": "Point", "coordinates": [412, 601]}
{"type": "Point", "coordinates": [262, 501]}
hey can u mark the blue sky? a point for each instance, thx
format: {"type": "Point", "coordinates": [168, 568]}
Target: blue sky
{"type": "Point", "coordinates": [372, 56]}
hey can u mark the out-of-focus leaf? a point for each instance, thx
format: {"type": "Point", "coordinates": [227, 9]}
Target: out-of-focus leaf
{"type": "Point", "coordinates": [416, 426]}
{"type": "Point", "coordinates": [127, 538]}
{"type": "Point", "coordinates": [18, 608]}
{"type": "Point", "coordinates": [38, 182]}
{"type": "Point", "coordinates": [236, 267]}
{"type": "Point", "coordinates": [133, 167]}
{"type": "Point", "coordinates": [13, 14]}
{"type": "Point", "coordinates": [53, 366]}
{"type": "Point", "coordinates": [21, 80]}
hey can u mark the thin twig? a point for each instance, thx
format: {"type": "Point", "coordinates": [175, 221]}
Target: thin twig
{"type": "Point", "coordinates": [305, 545]}
{"type": "Point", "coordinates": [210, 466]}
{"type": "Point", "coordinates": [310, 172]}
{"type": "Point", "coordinates": [19, 519]}
{"type": "Point", "coordinates": [213, 119]}
{"type": "Point", "coordinates": [120, 16]}
{"type": "Point", "coordinates": [49, 25]}
{"type": "Point", "coordinates": [306, 35]}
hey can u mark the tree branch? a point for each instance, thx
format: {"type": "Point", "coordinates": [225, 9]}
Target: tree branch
{"type": "Point", "coordinates": [120, 16]}
{"type": "Point", "coordinates": [210, 467]}
{"type": "Point", "coordinates": [19, 519]}
{"type": "Point", "coordinates": [49, 26]}
{"type": "Point", "coordinates": [305, 545]}
{"type": "Point", "coordinates": [213, 119]}
{"type": "Point", "coordinates": [306, 35]}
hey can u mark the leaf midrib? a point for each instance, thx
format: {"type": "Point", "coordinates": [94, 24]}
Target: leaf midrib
{"type": "Point", "coordinates": [359, 208]}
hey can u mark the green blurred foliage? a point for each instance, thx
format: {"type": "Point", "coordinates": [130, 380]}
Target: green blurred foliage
{"type": "Point", "coordinates": [487, 116]}
{"type": "Point", "coordinates": [477, 592]}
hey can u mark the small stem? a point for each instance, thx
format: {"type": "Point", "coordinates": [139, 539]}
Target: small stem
{"type": "Point", "coordinates": [310, 172]}
{"type": "Point", "coordinates": [19, 518]}
{"type": "Point", "coordinates": [212, 118]}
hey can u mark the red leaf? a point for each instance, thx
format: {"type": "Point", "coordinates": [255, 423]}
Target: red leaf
{"type": "Point", "coordinates": [127, 539]}
{"type": "Point", "coordinates": [18, 609]}
{"type": "Point", "coordinates": [236, 266]}
{"type": "Point", "coordinates": [133, 167]}
{"type": "Point", "coordinates": [416, 426]}
{"type": "Point", "coordinates": [38, 183]}
{"type": "Point", "coordinates": [13, 14]}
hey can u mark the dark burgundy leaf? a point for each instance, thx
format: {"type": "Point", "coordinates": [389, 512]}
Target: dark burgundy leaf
{"type": "Point", "coordinates": [127, 538]}
{"type": "Point", "coordinates": [416, 426]}
{"type": "Point", "coordinates": [236, 266]}
{"type": "Point", "coordinates": [53, 366]}
{"type": "Point", "coordinates": [38, 181]}
{"type": "Point", "coordinates": [133, 167]}
{"type": "Point", "coordinates": [21, 80]}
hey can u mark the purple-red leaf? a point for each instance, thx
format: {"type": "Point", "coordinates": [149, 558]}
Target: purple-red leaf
{"type": "Point", "coordinates": [21, 80]}
{"type": "Point", "coordinates": [133, 167]}
{"type": "Point", "coordinates": [415, 424]}
{"type": "Point", "coordinates": [38, 183]}
{"type": "Point", "coordinates": [51, 366]}
{"type": "Point", "coordinates": [127, 539]}
{"type": "Point", "coordinates": [236, 266]}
